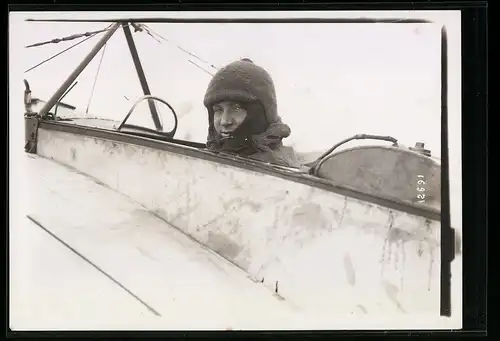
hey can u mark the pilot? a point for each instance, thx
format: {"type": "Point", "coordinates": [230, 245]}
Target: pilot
{"type": "Point", "coordinates": [243, 117]}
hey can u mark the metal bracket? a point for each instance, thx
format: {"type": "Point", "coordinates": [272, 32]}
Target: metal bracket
{"type": "Point", "coordinates": [27, 98]}
{"type": "Point", "coordinates": [30, 134]}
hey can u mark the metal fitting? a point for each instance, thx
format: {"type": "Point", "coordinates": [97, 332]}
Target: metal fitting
{"type": "Point", "coordinates": [419, 148]}
{"type": "Point", "coordinates": [27, 98]}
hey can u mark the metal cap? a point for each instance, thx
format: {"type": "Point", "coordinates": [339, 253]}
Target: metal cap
{"type": "Point", "coordinates": [419, 148]}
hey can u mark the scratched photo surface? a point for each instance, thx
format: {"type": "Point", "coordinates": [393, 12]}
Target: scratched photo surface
{"type": "Point", "coordinates": [122, 232]}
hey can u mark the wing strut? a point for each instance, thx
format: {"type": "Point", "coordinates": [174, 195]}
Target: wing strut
{"type": "Point", "coordinates": [142, 76]}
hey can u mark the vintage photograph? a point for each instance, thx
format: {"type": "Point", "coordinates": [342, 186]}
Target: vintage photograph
{"type": "Point", "coordinates": [234, 170]}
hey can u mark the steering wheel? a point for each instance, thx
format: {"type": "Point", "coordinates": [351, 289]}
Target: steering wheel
{"type": "Point", "coordinates": [150, 97]}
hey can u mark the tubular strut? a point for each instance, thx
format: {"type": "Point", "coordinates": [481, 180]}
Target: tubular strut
{"type": "Point", "coordinates": [142, 76]}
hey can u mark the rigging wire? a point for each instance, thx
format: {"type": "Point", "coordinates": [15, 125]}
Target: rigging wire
{"type": "Point", "coordinates": [142, 28]}
{"type": "Point", "coordinates": [58, 54]}
{"type": "Point", "coordinates": [64, 95]}
{"type": "Point", "coordinates": [151, 309]}
{"type": "Point", "coordinates": [95, 78]}
{"type": "Point", "coordinates": [149, 30]}
{"type": "Point", "coordinates": [199, 67]}
{"type": "Point", "coordinates": [71, 37]}
{"type": "Point", "coordinates": [90, 35]}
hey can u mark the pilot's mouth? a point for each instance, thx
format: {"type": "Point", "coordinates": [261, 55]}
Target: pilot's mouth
{"type": "Point", "coordinates": [225, 134]}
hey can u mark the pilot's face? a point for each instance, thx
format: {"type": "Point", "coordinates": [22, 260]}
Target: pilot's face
{"type": "Point", "coordinates": [228, 116]}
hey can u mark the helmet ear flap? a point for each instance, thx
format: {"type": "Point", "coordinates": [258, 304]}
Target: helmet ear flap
{"type": "Point", "coordinates": [210, 116]}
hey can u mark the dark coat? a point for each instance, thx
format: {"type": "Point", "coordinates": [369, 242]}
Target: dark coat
{"type": "Point", "coordinates": [281, 155]}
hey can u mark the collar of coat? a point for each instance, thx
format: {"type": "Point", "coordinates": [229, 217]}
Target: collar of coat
{"type": "Point", "coordinates": [264, 142]}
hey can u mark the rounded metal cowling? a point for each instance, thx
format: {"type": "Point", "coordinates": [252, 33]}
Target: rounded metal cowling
{"type": "Point", "coordinates": [387, 171]}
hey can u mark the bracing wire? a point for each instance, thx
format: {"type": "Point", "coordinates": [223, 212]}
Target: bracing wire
{"type": "Point", "coordinates": [150, 31]}
{"type": "Point", "coordinates": [199, 67]}
{"type": "Point", "coordinates": [95, 78]}
{"type": "Point", "coordinates": [88, 35]}
{"type": "Point", "coordinates": [68, 38]}
{"type": "Point", "coordinates": [59, 53]}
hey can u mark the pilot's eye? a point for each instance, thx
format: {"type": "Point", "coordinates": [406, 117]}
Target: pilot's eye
{"type": "Point", "coordinates": [237, 107]}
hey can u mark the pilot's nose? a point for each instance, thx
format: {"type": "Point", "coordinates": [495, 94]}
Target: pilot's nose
{"type": "Point", "coordinates": [226, 118]}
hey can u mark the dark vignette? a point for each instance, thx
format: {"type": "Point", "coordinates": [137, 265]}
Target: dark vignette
{"type": "Point", "coordinates": [474, 148]}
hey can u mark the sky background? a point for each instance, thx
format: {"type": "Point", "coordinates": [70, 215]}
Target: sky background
{"type": "Point", "coordinates": [332, 80]}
